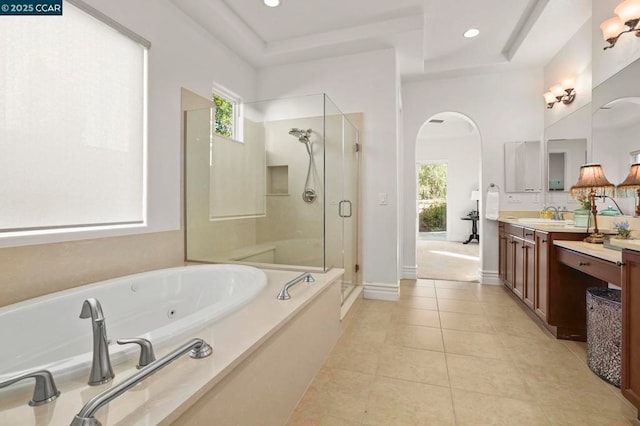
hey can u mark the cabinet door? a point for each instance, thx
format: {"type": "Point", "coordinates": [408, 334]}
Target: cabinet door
{"type": "Point", "coordinates": [518, 267]}
{"type": "Point", "coordinates": [529, 275]}
{"type": "Point", "coordinates": [510, 255]}
{"type": "Point", "coordinates": [502, 255]}
{"type": "Point", "coordinates": [631, 327]}
{"type": "Point", "coordinates": [541, 290]}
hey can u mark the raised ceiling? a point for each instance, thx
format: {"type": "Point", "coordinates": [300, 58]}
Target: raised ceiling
{"type": "Point", "coordinates": [427, 34]}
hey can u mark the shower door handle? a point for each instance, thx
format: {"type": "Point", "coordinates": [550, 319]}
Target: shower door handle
{"type": "Point", "coordinates": [340, 208]}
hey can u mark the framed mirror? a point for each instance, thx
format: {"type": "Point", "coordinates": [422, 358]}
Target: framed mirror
{"type": "Point", "coordinates": [522, 166]}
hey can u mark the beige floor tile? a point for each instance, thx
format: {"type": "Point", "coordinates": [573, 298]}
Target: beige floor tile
{"type": "Point", "coordinates": [417, 292]}
{"type": "Point", "coordinates": [465, 322]}
{"type": "Point", "coordinates": [337, 393]}
{"type": "Point", "coordinates": [549, 365]}
{"type": "Point", "coordinates": [520, 327]}
{"type": "Point", "coordinates": [456, 294]}
{"type": "Point", "coordinates": [427, 303]}
{"type": "Point", "coordinates": [454, 284]}
{"type": "Point", "coordinates": [492, 294]}
{"type": "Point", "coordinates": [474, 344]}
{"type": "Point", "coordinates": [460, 306]}
{"type": "Point", "coordinates": [579, 349]}
{"type": "Point", "coordinates": [487, 376]}
{"type": "Point", "coordinates": [416, 365]}
{"type": "Point", "coordinates": [374, 313]}
{"type": "Point", "coordinates": [399, 402]}
{"type": "Point", "coordinates": [595, 400]}
{"type": "Point", "coordinates": [413, 336]}
{"type": "Point", "coordinates": [303, 418]}
{"type": "Point", "coordinates": [473, 408]}
{"type": "Point", "coordinates": [350, 355]}
{"type": "Point", "coordinates": [417, 317]}
{"type": "Point", "coordinates": [423, 282]}
{"type": "Point", "coordinates": [570, 417]}
{"type": "Point", "coordinates": [366, 334]}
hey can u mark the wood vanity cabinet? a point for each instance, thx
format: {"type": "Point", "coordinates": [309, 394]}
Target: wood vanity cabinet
{"type": "Point", "coordinates": [553, 291]}
{"type": "Point", "coordinates": [541, 285]}
{"type": "Point", "coordinates": [631, 326]}
{"type": "Point", "coordinates": [530, 270]}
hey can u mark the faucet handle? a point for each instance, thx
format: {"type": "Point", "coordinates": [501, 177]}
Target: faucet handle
{"type": "Point", "coordinates": [45, 390]}
{"type": "Point", "coordinates": [146, 350]}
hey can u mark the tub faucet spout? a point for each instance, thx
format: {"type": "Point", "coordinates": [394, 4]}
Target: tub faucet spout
{"type": "Point", "coordinates": [101, 371]}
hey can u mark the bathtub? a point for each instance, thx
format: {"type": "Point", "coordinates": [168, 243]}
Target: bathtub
{"type": "Point", "coordinates": [47, 333]}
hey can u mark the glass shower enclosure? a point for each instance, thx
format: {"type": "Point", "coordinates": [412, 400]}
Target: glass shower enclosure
{"type": "Point", "coordinates": [282, 194]}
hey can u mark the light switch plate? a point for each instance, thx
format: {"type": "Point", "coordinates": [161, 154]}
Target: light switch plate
{"type": "Point", "coordinates": [383, 198]}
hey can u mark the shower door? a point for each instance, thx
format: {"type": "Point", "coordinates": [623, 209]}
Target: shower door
{"type": "Point", "coordinates": [349, 207]}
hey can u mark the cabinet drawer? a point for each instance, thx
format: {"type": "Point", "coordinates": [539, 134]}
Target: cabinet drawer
{"type": "Point", "coordinates": [518, 231]}
{"type": "Point", "coordinates": [606, 271]}
{"type": "Point", "coordinates": [528, 234]}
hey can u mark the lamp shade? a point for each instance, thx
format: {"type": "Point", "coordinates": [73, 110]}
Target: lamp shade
{"type": "Point", "coordinates": [569, 82]}
{"type": "Point", "coordinates": [549, 98]}
{"type": "Point", "coordinates": [592, 178]}
{"type": "Point", "coordinates": [611, 28]}
{"type": "Point", "coordinates": [557, 90]}
{"type": "Point", "coordinates": [475, 195]}
{"type": "Point", "coordinates": [628, 10]}
{"type": "Point", "coordinates": [632, 182]}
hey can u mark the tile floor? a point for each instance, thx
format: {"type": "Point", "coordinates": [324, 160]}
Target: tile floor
{"type": "Point", "coordinates": [455, 353]}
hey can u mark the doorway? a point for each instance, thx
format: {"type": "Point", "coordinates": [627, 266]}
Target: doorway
{"type": "Point", "coordinates": [447, 181]}
{"type": "Point", "coordinates": [432, 201]}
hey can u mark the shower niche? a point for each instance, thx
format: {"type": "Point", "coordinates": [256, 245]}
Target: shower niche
{"type": "Point", "coordinates": [284, 195]}
{"type": "Point", "coordinates": [278, 180]}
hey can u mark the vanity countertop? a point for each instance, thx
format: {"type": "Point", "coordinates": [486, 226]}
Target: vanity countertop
{"type": "Point", "coordinates": [595, 250]}
{"type": "Point", "coordinates": [627, 244]}
{"type": "Point", "coordinates": [548, 226]}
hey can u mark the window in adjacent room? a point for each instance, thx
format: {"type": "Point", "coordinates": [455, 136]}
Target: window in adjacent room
{"type": "Point", "coordinates": [73, 123]}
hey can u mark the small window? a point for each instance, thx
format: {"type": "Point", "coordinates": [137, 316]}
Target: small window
{"type": "Point", "coordinates": [227, 115]}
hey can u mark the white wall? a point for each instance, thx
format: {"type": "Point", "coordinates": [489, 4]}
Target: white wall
{"type": "Point", "coordinates": [181, 55]}
{"type": "Point", "coordinates": [573, 59]}
{"type": "Point", "coordinates": [359, 83]}
{"type": "Point", "coordinates": [461, 155]}
{"type": "Point", "coordinates": [505, 107]}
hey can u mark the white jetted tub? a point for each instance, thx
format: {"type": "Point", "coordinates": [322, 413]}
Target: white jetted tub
{"type": "Point", "coordinates": [47, 333]}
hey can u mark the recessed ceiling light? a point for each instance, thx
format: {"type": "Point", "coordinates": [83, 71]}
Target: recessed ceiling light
{"type": "Point", "coordinates": [471, 33]}
{"type": "Point", "coordinates": [272, 3]}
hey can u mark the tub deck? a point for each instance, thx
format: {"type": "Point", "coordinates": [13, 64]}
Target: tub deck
{"type": "Point", "coordinates": [170, 393]}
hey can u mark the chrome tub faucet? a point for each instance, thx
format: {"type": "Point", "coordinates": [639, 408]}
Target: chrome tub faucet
{"type": "Point", "coordinates": [101, 370]}
{"type": "Point", "coordinates": [45, 389]}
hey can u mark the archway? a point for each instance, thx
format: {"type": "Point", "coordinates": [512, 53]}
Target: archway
{"type": "Point", "coordinates": [450, 139]}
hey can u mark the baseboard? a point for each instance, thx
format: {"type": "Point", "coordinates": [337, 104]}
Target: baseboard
{"type": "Point", "coordinates": [490, 277]}
{"type": "Point", "coordinates": [381, 291]}
{"type": "Point", "coordinates": [410, 272]}
{"type": "Point", "coordinates": [349, 301]}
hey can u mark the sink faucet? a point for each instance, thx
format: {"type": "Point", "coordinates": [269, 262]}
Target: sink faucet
{"type": "Point", "coordinates": [101, 371]}
{"type": "Point", "coordinates": [555, 215]}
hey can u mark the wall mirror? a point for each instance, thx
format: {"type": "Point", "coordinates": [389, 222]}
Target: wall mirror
{"type": "Point", "coordinates": [566, 147]}
{"type": "Point", "coordinates": [522, 166]}
{"type": "Point", "coordinates": [616, 123]}
{"type": "Point", "coordinates": [564, 158]}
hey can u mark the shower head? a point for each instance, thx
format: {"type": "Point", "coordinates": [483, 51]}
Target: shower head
{"type": "Point", "coordinates": [301, 134]}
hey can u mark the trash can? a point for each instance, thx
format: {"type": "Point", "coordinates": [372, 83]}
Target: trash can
{"type": "Point", "coordinates": [604, 333]}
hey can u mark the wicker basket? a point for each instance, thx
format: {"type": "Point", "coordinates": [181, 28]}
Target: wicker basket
{"type": "Point", "coordinates": [604, 333]}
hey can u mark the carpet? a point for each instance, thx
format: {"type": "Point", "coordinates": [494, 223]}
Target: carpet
{"type": "Point", "coordinates": [448, 260]}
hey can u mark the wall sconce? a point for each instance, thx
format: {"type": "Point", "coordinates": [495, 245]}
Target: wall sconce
{"type": "Point", "coordinates": [592, 178]}
{"type": "Point", "coordinates": [628, 17]}
{"type": "Point", "coordinates": [631, 185]}
{"type": "Point", "coordinates": [563, 92]}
